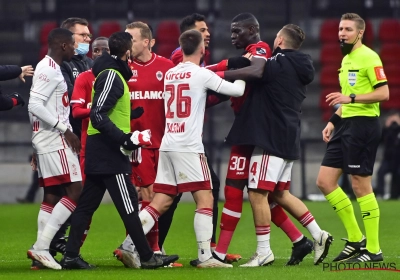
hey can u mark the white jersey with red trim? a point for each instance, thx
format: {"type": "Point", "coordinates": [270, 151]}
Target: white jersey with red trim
{"type": "Point", "coordinates": [185, 89]}
{"type": "Point", "coordinates": [48, 84]}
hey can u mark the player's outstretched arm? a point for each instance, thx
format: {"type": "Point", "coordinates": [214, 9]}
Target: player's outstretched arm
{"type": "Point", "coordinates": [234, 89]}
{"type": "Point", "coordinates": [8, 72]}
{"type": "Point", "coordinates": [231, 63]}
{"type": "Point", "coordinates": [252, 72]}
{"type": "Point", "coordinates": [213, 82]}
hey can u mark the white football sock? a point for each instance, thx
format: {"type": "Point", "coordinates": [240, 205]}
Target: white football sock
{"type": "Point", "coordinates": [147, 220]}
{"type": "Point", "coordinates": [61, 211]}
{"type": "Point", "coordinates": [203, 227]}
{"type": "Point", "coordinates": [43, 217]}
{"type": "Point", "coordinates": [263, 235]}
{"type": "Point", "coordinates": [314, 229]}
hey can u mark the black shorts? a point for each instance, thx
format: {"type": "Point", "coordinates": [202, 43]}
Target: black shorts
{"type": "Point", "coordinates": [353, 146]}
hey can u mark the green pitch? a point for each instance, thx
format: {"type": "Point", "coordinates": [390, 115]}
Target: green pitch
{"type": "Point", "coordinates": [18, 232]}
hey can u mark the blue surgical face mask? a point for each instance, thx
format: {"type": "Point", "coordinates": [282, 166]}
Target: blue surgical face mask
{"type": "Point", "coordinates": [82, 49]}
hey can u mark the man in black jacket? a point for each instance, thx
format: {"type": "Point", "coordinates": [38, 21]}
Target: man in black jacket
{"type": "Point", "coordinates": [107, 166]}
{"type": "Point", "coordinates": [270, 121]}
{"type": "Point", "coordinates": [8, 72]}
{"type": "Point", "coordinates": [79, 63]}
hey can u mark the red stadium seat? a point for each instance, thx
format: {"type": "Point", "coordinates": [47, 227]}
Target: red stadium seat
{"type": "Point", "coordinates": [331, 54]}
{"type": "Point", "coordinates": [43, 51]}
{"type": "Point", "coordinates": [167, 32]}
{"type": "Point", "coordinates": [392, 72]}
{"type": "Point", "coordinates": [329, 76]}
{"type": "Point", "coordinates": [107, 28]}
{"type": "Point", "coordinates": [390, 53]}
{"type": "Point", "coordinates": [394, 99]}
{"type": "Point", "coordinates": [165, 50]}
{"type": "Point", "coordinates": [389, 31]}
{"type": "Point", "coordinates": [45, 30]}
{"type": "Point", "coordinates": [329, 31]}
{"type": "Point", "coordinates": [368, 37]}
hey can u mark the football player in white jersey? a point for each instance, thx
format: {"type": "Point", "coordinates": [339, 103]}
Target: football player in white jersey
{"type": "Point", "coordinates": [182, 166]}
{"type": "Point", "coordinates": [54, 143]}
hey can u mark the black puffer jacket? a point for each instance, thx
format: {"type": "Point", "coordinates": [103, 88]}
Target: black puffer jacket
{"type": "Point", "coordinates": [270, 116]}
{"type": "Point", "coordinates": [71, 70]}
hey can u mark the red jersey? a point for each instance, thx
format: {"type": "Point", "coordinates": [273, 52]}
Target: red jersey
{"type": "Point", "coordinates": [81, 101]}
{"type": "Point", "coordinates": [260, 49]}
{"type": "Point", "coordinates": [146, 87]}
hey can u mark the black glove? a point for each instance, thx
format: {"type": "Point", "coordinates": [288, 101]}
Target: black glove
{"type": "Point", "coordinates": [17, 97]}
{"type": "Point", "coordinates": [127, 143]}
{"type": "Point", "coordinates": [137, 113]}
{"type": "Point", "coordinates": [238, 62]}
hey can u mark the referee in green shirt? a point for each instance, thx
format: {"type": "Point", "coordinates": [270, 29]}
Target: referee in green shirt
{"type": "Point", "coordinates": [352, 147]}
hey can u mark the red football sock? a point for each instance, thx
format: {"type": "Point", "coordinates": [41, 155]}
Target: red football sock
{"type": "Point", "coordinates": [281, 219]}
{"type": "Point", "coordinates": [230, 217]}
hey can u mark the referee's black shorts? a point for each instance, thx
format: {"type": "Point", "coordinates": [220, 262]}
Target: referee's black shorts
{"type": "Point", "coordinates": [353, 146]}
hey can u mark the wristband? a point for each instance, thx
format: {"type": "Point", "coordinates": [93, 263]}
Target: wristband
{"type": "Point", "coordinates": [221, 74]}
{"type": "Point", "coordinates": [61, 127]}
{"type": "Point", "coordinates": [335, 119]}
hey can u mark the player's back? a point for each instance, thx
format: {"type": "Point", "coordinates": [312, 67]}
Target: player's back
{"type": "Point", "coordinates": [185, 88]}
{"type": "Point", "coordinates": [48, 84]}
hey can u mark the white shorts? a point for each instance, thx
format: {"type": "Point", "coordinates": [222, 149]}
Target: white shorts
{"type": "Point", "coordinates": [179, 172]}
{"type": "Point", "coordinates": [269, 172]}
{"type": "Point", "coordinates": [59, 167]}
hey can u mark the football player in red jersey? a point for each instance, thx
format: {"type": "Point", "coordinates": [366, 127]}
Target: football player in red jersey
{"type": "Point", "coordinates": [146, 87]}
{"type": "Point", "coordinates": [198, 22]}
{"type": "Point", "coordinates": [245, 34]}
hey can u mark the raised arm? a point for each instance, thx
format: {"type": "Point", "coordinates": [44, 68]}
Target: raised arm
{"type": "Point", "coordinates": [252, 72]}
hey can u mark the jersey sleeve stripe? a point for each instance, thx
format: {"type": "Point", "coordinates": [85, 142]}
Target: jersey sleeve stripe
{"type": "Point", "coordinates": [378, 85]}
{"type": "Point", "coordinates": [104, 93]}
{"type": "Point", "coordinates": [38, 93]}
{"type": "Point", "coordinates": [219, 85]}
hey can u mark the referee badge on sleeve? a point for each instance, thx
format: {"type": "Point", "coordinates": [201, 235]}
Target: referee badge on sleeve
{"type": "Point", "coordinates": [352, 77]}
{"type": "Point", "coordinates": [379, 73]}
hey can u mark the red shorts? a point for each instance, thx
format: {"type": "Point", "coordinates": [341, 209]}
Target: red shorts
{"type": "Point", "coordinates": [239, 162]}
{"type": "Point", "coordinates": [144, 167]}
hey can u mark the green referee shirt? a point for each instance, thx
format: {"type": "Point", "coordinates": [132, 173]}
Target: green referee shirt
{"type": "Point", "coordinates": [361, 73]}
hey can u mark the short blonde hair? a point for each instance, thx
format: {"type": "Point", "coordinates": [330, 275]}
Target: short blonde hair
{"type": "Point", "coordinates": [145, 31]}
{"type": "Point", "coordinates": [360, 23]}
